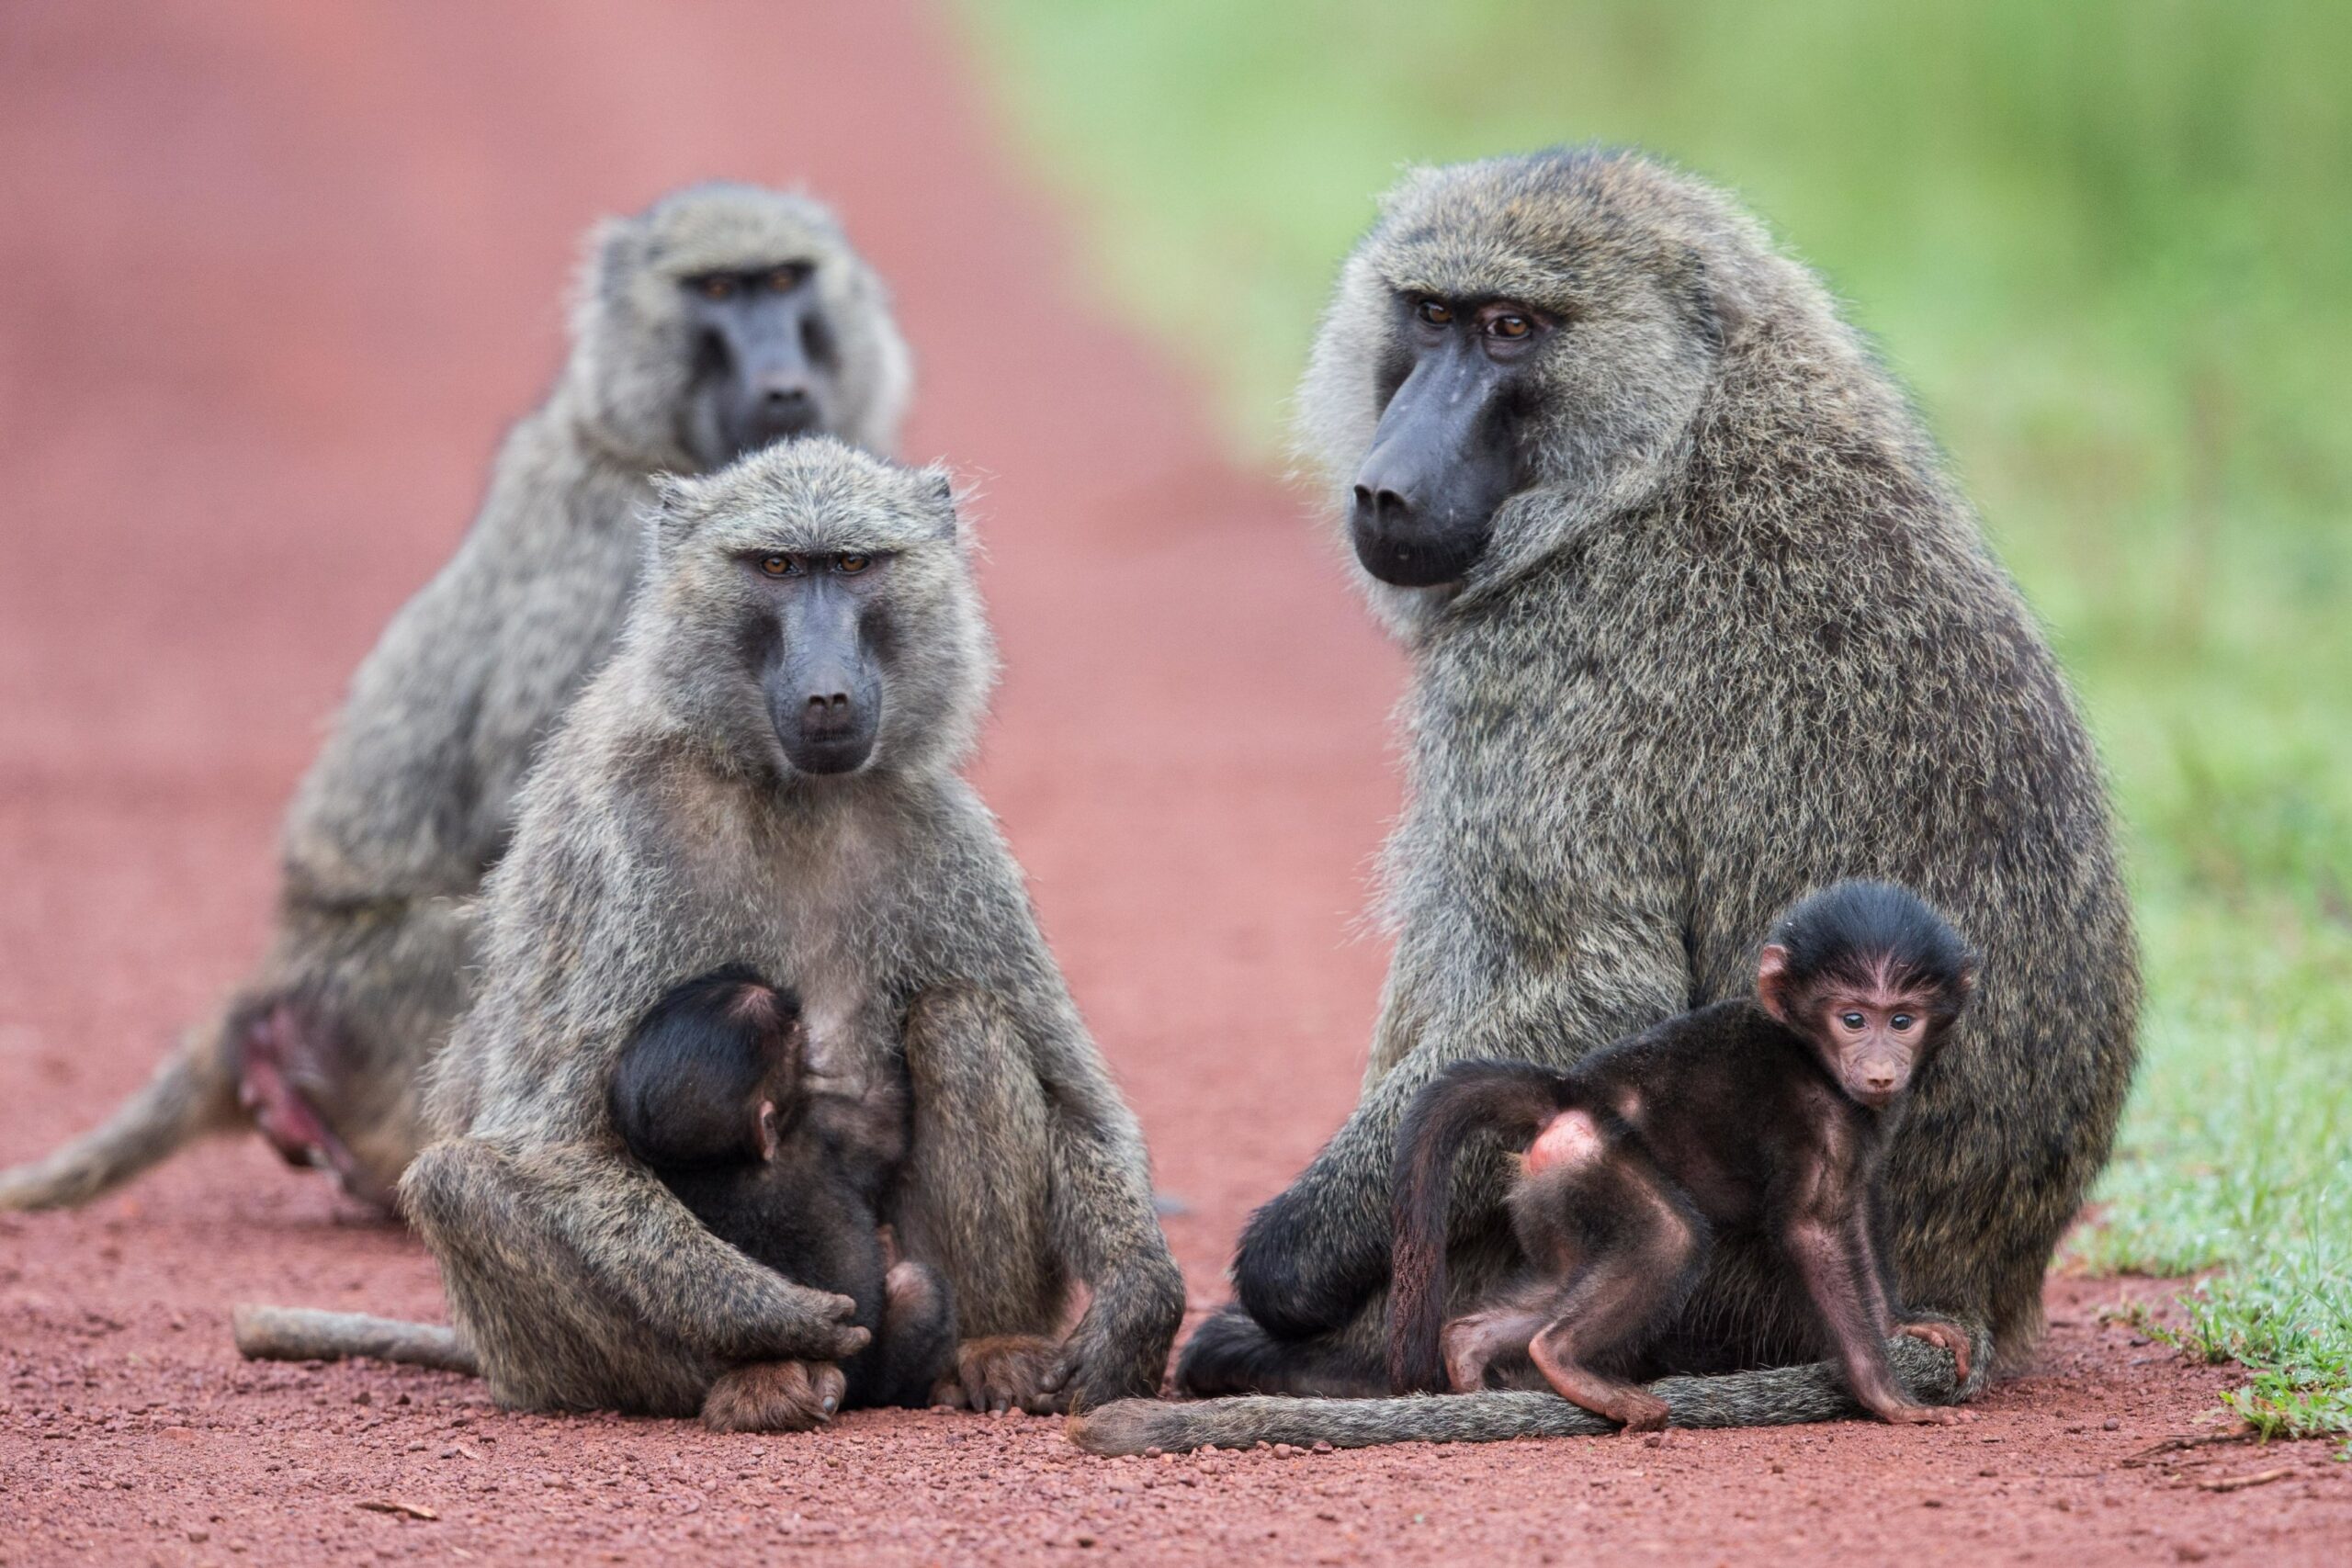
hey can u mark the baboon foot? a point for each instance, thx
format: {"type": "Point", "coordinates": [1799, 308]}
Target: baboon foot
{"type": "Point", "coordinates": [775, 1396]}
{"type": "Point", "coordinates": [1005, 1371]}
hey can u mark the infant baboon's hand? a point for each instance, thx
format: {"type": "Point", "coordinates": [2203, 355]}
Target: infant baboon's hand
{"type": "Point", "coordinates": [1944, 1337]}
{"type": "Point", "coordinates": [775, 1396]}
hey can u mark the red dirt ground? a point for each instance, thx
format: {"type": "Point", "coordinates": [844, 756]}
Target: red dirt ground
{"type": "Point", "coordinates": [274, 275]}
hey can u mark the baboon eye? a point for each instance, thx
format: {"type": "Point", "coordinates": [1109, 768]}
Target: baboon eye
{"type": "Point", "coordinates": [784, 279]}
{"type": "Point", "coordinates": [1436, 312]}
{"type": "Point", "coordinates": [717, 286]}
{"type": "Point", "coordinates": [1852, 1020]}
{"type": "Point", "coordinates": [850, 566]}
{"type": "Point", "coordinates": [1900, 1021]}
{"type": "Point", "coordinates": [778, 566]}
{"type": "Point", "coordinates": [1511, 326]}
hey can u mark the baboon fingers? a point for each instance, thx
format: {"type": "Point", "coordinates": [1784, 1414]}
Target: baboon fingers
{"type": "Point", "coordinates": [1004, 1371]}
{"type": "Point", "coordinates": [1949, 1336]}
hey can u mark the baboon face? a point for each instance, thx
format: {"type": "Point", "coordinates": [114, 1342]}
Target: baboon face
{"type": "Point", "coordinates": [826, 591]}
{"type": "Point", "coordinates": [1446, 450]}
{"type": "Point", "coordinates": [1503, 328]}
{"type": "Point", "coordinates": [726, 318]}
{"type": "Point", "coordinates": [764, 359]}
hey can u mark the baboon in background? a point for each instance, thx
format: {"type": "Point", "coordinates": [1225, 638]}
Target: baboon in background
{"type": "Point", "coordinates": [1696, 623]}
{"type": "Point", "coordinates": [722, 318]}
{"type": "Point", "coordinates": [765, 775]}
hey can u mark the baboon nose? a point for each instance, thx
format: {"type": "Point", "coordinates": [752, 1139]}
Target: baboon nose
{"type": "Point", "coordinates": [1381, 506]}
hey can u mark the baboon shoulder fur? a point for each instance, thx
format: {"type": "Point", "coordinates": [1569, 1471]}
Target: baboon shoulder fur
{"type": "Point", "coordinates": [1736, 635]}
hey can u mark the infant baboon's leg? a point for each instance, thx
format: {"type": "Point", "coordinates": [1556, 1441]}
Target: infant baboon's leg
{"type": "Point", "coordinates": [975, 1201]}
{"type": "Point", "coordinates": [918, 1335]}
{"type": "Point", "coordinates": [1632, 1245]}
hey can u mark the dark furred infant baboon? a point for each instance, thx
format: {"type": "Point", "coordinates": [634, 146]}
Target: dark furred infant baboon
{"type": "Point", "coordinates": [766, 774]}
{"type": "Point", "coordinates": [722, 318]}
{"type": "Point", "coordinates": [1697, 623]}
{"type": "Point", "coordinates": [1764, 1118]}
{"type": "Point", "coordinates": [715, 1093]}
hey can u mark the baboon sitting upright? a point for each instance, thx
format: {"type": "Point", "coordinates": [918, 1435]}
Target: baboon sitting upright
{"type": "Point", "coordinates": [764, 775]}
{"type": "Point", "coordinates": [721, 319]}
{"type": "Point", "coordinates": [1696, 623]}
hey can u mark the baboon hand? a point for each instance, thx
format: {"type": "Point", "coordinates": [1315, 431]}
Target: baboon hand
{"type": "Point", "coordinates": [1119, 1349]}
{"type": "Point", "coordinates": [775, 1396]}
{"type": "Point", "coordinates": [1004, 1372]}
{"type": "Point", "coordinates": [827, 1331]}
{"type": "Point", "coordinates": [1944, 1337]}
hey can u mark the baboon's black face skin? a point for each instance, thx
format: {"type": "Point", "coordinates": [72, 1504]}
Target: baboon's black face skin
{"type": "Point", "coordinates": [821, 650]}
{"type": "Point", "coordinates": [1445, 454]}
{"type": "Point", "coordinates": [765, 361]}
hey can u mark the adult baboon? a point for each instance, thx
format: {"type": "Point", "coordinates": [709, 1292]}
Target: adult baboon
{"type": "Point", "coordinates": [764, 775]}
{"type": "Point", "coordinates": [1697, 623]}
{"type": "Point", "coordinates": [722, 318]}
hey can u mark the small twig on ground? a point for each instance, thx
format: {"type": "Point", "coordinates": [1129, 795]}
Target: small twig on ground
{"type": "Point", "coordinates": [404, 1510]}
{"type": "Point", "coordinates": [2151, 1454]}
{"type": "Point", "coordinates": [2240, 1482]}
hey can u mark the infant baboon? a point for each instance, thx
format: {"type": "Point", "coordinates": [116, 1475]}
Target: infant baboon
{"type": "Point", "coordinates": [1765, 1117]}
{"type": "Point", "coordinates": [715, 1093]}
{"type": "Point", "coordinates": [721, 319]}
{"type": "Point", "coordinates": [766, 775]}
{"type": "Point", "coordinates": [1696, 623]}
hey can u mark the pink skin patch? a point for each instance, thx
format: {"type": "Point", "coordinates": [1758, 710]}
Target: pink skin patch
{"type": "Point", "coordinates": [284, 1114]}
{"type": "Point", "coordinates": [1570, 1138]}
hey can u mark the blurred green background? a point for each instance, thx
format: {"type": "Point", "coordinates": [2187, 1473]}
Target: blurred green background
{"type": "Point", "coordinates": [2110, 247]}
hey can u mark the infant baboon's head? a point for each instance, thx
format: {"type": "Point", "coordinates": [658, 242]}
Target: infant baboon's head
{"type": "Point", "coordinates": [812, 606]}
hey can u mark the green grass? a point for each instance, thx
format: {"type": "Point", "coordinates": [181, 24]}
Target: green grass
{"type": "Point", "coordinates": [2109, 244]}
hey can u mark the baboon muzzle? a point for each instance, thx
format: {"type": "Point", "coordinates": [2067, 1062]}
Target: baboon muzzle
{"type": "Point", "coordinates": [1440, 465]}
{"type": "Point", "coordinates": [824, 689]}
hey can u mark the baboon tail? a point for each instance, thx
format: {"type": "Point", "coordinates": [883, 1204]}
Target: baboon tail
{"type": "Point", "coordinates": [1778, 1396]}
{"type": "Point", "coordinates": [192, 1093]}
{"type": "Point", "coordinates": [304, 1333]}
{"type": "Point", "coordinates": [1511, 1098]}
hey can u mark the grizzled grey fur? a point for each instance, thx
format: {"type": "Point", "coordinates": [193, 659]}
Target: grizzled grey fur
{"type": "Point", "coordinates": [412, 798]}
{"type": "Point", "coordinates": [1735, 636]}
{"type": "Point", "coordinates": [665, 834]}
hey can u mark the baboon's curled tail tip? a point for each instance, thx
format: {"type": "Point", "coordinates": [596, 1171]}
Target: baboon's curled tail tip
{"type": "Point", "coordinates": [1778, 1396]}
{"type": "Point", "coordinates": [192, 1094]}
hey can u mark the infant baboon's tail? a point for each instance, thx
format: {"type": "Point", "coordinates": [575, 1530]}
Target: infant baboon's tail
{"type": "Point", "coordinates": [1778, 1396]}
{"type": "Point", "coordinates": [192, 1094]}
{"type": "Point", "coordinates": [1512, 1098]}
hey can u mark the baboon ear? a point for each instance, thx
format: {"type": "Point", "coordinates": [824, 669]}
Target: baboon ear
{"type": "Point", "coordinates": [676, 514]}
{"type": "Point", "coordinates": [1771, 980]}
{"type": "Point", "coordinates": [937, 487]}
